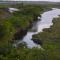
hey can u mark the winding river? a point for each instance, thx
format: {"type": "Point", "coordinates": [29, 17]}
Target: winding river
{"type": "Point", "coordinates": [44, 22]}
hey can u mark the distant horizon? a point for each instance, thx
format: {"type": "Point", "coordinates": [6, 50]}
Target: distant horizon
{"type": "Point", "coordinates": [30, 1]}
{"type": "Point", "coordinates": [34, 0]}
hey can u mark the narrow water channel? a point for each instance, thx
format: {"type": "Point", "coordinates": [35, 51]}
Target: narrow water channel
{"type": "Point", "coordinates": [44, 22]}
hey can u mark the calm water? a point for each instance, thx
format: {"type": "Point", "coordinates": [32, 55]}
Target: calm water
{"type": "Point", "coordinates": [46, 22]}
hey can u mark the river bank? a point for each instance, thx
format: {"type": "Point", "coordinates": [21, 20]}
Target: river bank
{"type": "Point", "coordinates": [18, 22]}
{"type": "Point", "coordinates": [50, 38]}
{"type": "Point", "coordinates": [28, 16]}
{"type": "Point", "coordinates": [44, 22]}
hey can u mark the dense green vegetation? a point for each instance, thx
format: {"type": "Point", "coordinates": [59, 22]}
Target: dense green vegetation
{"type": "Point", "coordinates": [51, 40]}
{"type": "Point", "coordinates": [11, 22]}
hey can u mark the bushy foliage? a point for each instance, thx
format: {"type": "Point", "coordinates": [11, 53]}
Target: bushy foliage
{"type": "Point", "coordinates": [51, 40]}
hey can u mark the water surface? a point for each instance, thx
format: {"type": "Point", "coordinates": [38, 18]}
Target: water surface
{"type": "Point", "coordinates": [45, 22]}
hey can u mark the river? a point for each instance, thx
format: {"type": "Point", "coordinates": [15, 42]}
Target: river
{"type": "Point", "coordinates": [44, 22]}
